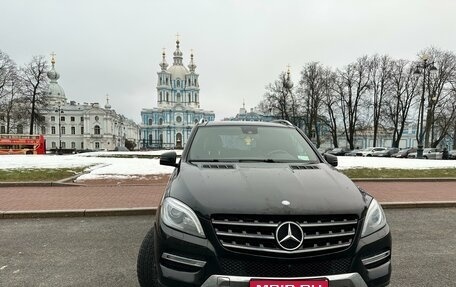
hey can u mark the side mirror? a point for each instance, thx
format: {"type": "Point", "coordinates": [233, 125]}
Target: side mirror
{"type": "Point", "coordinates": [168, 158]}
{"type": "Point", "coordinates": [331, 159]}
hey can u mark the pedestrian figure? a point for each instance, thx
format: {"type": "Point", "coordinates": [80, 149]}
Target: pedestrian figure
{"type": "Point", "coordinates": [445, 153]}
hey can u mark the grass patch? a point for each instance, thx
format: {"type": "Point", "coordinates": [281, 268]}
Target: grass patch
{"type": "Point", "coordinates": [38, 174]}
{"type": "Point", "coordinates": [399, 173]}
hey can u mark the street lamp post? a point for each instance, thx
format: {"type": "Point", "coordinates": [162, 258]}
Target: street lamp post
{"type": "Point", "coordinates": [59, 110]}
{"type": "Point", "coordinates": [424, 67]}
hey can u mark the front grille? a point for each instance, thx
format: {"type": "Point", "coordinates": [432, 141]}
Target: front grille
{"type": "Point", "coordinates": [256, 234]}
{"type": "Point", "coordinates": [302, 268]}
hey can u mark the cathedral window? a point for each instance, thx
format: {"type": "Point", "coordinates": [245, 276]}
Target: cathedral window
{"type": "Point", "coordinates": [53, 130]}
{"type": "Point", "coordinates": [97, 130]}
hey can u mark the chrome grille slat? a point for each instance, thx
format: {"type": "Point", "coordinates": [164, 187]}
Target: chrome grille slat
{"type": "Point", "coordinates": [306, 250]}
{"type": "Point", "coordinates": [245, 235]}
{"type": "Point", "coordinates": [256, 233]}
{"type": "Point", "coordinates": [244, 223]}
{"type": "Point", "coordinates": [310, 237]}
{"type": "Point", "coordinates": [329, 223]}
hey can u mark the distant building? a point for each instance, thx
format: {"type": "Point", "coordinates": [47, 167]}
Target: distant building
{"type": "Point", "coordinates": [252, 116]}
{"type": "Point", "coordinates": [71, 126]}
{"type": "Point", "coordinates": [178, 106]}
{"type": "Point", "coordinates": [74, 126]}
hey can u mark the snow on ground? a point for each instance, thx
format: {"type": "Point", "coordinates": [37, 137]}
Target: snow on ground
{"type": "Point", "coordinates": [110, 167]}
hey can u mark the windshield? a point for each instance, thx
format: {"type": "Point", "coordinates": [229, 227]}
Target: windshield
{"type": "Point", "coordinates": [250, 143]}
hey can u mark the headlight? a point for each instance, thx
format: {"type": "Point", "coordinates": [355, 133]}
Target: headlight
{"type": "Point", "coordinates": [177, 215]}
{"type": "Point", "coordinates": [375, 219]}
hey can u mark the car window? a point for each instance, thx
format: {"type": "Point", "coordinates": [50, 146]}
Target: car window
{"type": "Point", "coordinates": [244, 143]}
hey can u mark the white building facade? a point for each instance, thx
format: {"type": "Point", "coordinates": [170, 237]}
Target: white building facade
{"type": "Point", "coordinates": [178, 106]}
{"type": "Point", "coordinates": [71, 126]}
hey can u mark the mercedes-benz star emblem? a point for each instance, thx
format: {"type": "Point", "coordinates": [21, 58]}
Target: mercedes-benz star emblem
{"type": "Point", "coordinates": [289, 235]}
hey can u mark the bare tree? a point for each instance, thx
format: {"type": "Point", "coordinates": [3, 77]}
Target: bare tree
{"type": "Point", "coordinates": [330, 103]}
{"type": "Point", "coordinates": [404, 87]}
{"type": "Point", "coordinates": [311, 91]}
{"type": "Point", "coordinates": [280, 100]}
{"type": "Point", "coordinates": [379, 87]}
{"type": "Point", "coordinates": [440, 96]}
{"type": "Point", "coordinates": [351, 86]}
{"type": "Point", "coordinates": [34, 86]}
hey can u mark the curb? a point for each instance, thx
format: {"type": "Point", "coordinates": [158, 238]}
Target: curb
{"type": "Point", "coordinates": [153, 210]}
{"type": "Point", "coordinates": [77, 213]}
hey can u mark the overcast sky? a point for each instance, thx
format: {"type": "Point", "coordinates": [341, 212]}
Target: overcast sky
{"type": "Point", "coordinates": [114, 46]}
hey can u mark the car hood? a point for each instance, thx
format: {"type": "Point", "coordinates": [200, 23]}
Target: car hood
{"type": "Point", "coordinates": [250, 188]}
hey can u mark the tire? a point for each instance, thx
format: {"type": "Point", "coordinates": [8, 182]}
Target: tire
{"type": "Point", "coordinates": [146, 268]}
{"type": "Point", "coordinates": [425, 157]}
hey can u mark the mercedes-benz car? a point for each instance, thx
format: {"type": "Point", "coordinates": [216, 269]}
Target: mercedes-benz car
{"type": "Point", "coordinates": [255, 204]}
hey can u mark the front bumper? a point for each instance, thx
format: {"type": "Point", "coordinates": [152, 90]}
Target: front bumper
{"type": "Point", "coordinates": [188, 261]}
{"type": "Point", "coordinates": [343, 280]}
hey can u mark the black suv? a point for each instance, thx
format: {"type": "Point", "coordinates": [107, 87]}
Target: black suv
{"type": "Point", "coordinates": [254, 204]}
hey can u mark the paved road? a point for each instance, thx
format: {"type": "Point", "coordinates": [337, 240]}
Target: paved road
{"type": "Point", "coordinates": [102, 251]}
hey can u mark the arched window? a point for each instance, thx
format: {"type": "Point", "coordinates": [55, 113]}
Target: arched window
{"type": "Point", "coordinates": [160, 121]}
{"type": "Point", "coordinates": [178, 83]}
{"type": "Point", "coordinates": [150, 122]}
{"type": "Point", "coordinates": [178, 119]}
{"type": "Point", "coordinates": [97, 130]}
{"type": "Point", "coordinates": [167, 81]}
{"type": "Point", "coordinates": [178, 97]}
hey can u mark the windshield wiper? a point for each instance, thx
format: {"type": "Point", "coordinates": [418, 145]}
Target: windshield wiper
{"type": "Point", "coordinates": [258, 160]}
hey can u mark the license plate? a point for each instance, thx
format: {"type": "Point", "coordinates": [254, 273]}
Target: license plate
{"type": "Point", "coordinates": [289, 283]}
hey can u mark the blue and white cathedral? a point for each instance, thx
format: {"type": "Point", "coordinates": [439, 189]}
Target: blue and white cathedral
{"type": "Point", "coordinates": [178, 106]}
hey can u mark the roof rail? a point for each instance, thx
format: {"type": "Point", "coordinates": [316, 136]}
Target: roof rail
{"type": "Point", "coordinates": [283, 122]}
